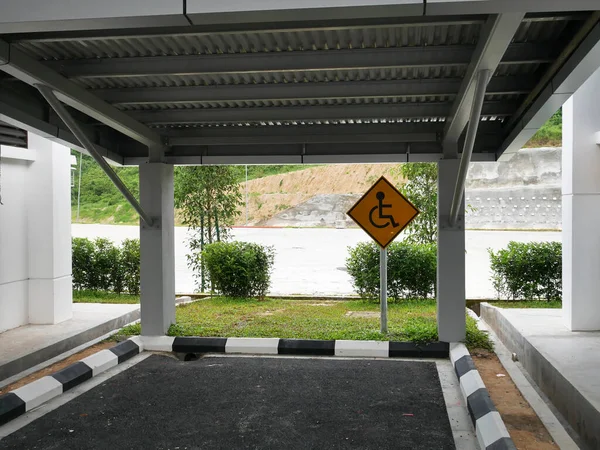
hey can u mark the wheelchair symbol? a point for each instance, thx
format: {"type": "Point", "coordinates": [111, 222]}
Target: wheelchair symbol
{"type": "Point", "coordinates": [389, 219]}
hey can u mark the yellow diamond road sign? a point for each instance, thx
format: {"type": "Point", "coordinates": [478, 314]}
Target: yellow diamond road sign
{"type": "Point", "coordinates": [383, 212]}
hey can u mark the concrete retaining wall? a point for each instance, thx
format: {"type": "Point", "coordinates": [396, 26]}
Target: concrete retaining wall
{"type": "Point", "coordinates": [522, 193]}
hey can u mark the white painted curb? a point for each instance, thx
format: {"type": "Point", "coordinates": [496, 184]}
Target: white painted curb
{"type": "Point", "coordinates": [362, 348]}
{"type": "Point", "coordinates": [264, 346]}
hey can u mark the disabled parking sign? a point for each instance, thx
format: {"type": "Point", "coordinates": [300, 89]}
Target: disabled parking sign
{"type": "Point", "coordinates": [383, 212]}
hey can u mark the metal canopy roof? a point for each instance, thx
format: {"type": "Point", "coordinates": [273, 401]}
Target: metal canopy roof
{"type": "Point", "coordinates": [378, 88]}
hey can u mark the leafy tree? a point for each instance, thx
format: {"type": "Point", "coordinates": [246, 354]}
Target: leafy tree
{"type": "Point", "coordinates": [208, 198]}
{"type": "Point", "coordinates": [421, 189]}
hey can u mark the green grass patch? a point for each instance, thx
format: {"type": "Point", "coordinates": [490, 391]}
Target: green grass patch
{"type": "Point", "coordinates": [103, 297]}
{"type": "Point", "coordinates": [311, 319]}
{"type": "Point", "coordinates": [555, 304]}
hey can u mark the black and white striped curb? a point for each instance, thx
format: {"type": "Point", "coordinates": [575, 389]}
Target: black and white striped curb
{"type": "Point", "coordinates": [489, 426]}
{"type": "Point", "coordinates": [309, 347]}
{"type": "Point", "coordinates": [18, 402]}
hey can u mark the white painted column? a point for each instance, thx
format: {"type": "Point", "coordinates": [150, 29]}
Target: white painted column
{"type": "Point", "coordinates": [49, 232]}
{"type": "Point", "coordinates": [157, 248]}
{"type": "Point", "coordinates": [581, 208]}
{"type": "Point", "coordinates": [451, 302]}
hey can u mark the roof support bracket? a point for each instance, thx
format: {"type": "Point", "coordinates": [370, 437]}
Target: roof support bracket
{"type": "Point", "coordinates": [496, 36]}
{"type": "Point", "coordinates": [85, 141]}
{"type": "Point", "coordinates": [483, 77]}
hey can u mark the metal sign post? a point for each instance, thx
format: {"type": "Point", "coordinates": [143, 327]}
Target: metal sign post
{"type": "Point", "coordinates": [383, 288]}
{"type": "Point", "coordinates": [383, 212]}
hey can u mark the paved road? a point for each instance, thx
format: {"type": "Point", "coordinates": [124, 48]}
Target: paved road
{"type": "Point", "coordinates": [252, 403]}
{"type": "Point", "coordinates": [311, 260]}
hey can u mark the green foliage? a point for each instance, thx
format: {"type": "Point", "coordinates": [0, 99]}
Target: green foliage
{"type": "Point", "coordinates": [130, 262]}
{"type": "Point", "coordinates": [261, 171]}
{"type": "Point", "coordinates": [83, 251]}
{"type": "Point", "coordinates": [239, 269]}
{"type": "Point", "coordinates": [528, 271]}
{"type": "Point", "coordinates": [208, 198]}
{"type": "Point", "coordinates": [475, 338]}
{"type": "Point", "coordinates": [85, 296]}
{"type": "Point", "coordinates": [553, 304]}
{"type": "Point", "coordinates": [106, 274]}
{"type": "Point", "coordinates": [411, 270]}
{"type": "Point", "coordinates": [421, 189]}
{"type": "Point", "coordinates": [100, 199]}
{"type": "Point", "coordinates": [99, 265]}
{"type": "Point", "coordinates": [550, 134]}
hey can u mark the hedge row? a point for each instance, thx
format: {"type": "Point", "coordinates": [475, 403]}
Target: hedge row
{"type": "Point", "coordinates": [528, 271]}
{"type": "Point", "coordinates": [522, 271]}
{"type": "Point", "coordinates": [411, 270]}
{"type": "Point", "coordinates": [99, 265]}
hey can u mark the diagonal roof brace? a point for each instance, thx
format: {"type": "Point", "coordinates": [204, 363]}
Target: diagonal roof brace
{"type": "Point", "coordinates": [483, 77]}
{"type": "Point", "coordinates": [496, 36]}
{"type": "Point", "coordinates": [16, 63]}
{"type": "Point", "coordinates": [66, 117]}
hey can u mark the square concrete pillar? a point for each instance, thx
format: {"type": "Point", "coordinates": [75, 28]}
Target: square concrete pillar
{"type": "Point", "coordinates": [581, 208]}
{"type": "Point", "coordinates": [157, 249]}
{"type": "Point", "coordinates": [49, 232]}
{"type": "Point", "coordinates": [451, 301]}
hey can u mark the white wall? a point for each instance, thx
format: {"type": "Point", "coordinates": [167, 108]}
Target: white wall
{"type": "Point", "coordinates": [14, 270]}
{"type": "Point", "coordinates": [581, 208]}
{"type": "Point", "coordinates": [35, 234]}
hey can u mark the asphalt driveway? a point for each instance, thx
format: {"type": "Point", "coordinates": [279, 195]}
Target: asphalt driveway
{"type": "Point", "coordinates": [251, 403]}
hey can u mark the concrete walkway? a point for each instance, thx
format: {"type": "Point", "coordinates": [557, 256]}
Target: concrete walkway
{"type": "Point", "coordinates": [564, 364]}
{"type": "Point", "coordinates": [24, 347]}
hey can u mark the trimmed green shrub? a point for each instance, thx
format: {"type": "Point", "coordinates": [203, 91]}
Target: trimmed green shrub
{"type": "Point", "coordinates": [411, 270]}
{"type": "Point", "coordinates": [239, 269]}
{"type": "Point", "coordinates": [528, 271]}
{"type": "Point", "coordinates": [100, 265]}
{"type": "Point", "coordinates": [106, 274]}
{"type": "Point", "coordinates": [130, 262]}
{"type": "Point", "coordinates": [83, 262]}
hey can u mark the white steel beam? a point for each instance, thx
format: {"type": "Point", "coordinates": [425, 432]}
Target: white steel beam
{"type": "Point", "coordinates": [23, 16]}
{"type": "Point", "coordinates": [443, 7]}
{"type": "Point", "coordinates": [494, 40]}
{"type": "Point", "coordinates": [307, 159]}
{"type": "Point", "coordinates": [482, 79]}
{"type": "Point", "coordinates": [18, 64]}
{"type": "Point", "coordinates": [90, 147]}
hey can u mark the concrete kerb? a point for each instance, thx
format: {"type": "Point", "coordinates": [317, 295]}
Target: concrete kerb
{"type": "Point", "coordinates": [312, 347]}
{"type": "Point", "coordinates": [21, 400]}
{"type": "Point", "coordinates": [489, 427]}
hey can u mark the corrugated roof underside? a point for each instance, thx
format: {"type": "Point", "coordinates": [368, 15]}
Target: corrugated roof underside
{"type": "Point", "coordinates": [386, 36]}
{"type": "Point", "coordinates": [553, 30]}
